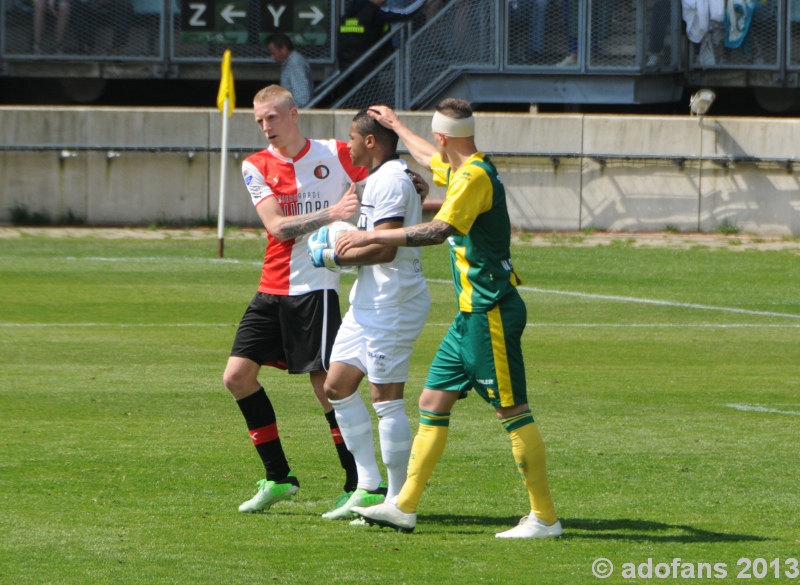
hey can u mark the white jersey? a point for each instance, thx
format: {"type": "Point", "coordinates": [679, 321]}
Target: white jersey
{"type": "Point", "coordinates": [313, 180]}
{"type": "Point", "coordinates": [389, 195]}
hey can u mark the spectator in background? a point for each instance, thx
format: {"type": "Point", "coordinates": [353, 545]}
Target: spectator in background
{"type": "Point", "coordinates": [91, 15]}
{"type": "Point", "coordinates": [60, 9]}
{"type": "Point", "coordinates": [432, 8]}
{"type": "Point", "coordinates": [600, 24]}
{"type": "Point", "coordinates": [570, 13]}
{"type": "Point", "coordinates": [295, 70]}
{"type": "Point", "coordinates": [703, 28]}
{"type": "Point", "coordinates": [365, 24]}
{"type": "Point", "coordinates": [755, 38]}
{"type": "Point", "coordinates": [660, 23]}
{"type": "Point", "coordinates": [533, 13]}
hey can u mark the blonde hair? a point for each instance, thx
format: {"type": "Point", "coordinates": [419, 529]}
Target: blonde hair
{"type": "Point", "coordinates": [275, 92]}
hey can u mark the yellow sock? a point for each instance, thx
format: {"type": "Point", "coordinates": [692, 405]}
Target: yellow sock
{"type": "Point", "coordinates": [425, 452]}
{"type": "Point", "coordinates": [528, 449]}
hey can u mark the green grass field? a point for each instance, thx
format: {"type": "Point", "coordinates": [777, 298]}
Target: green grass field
{"type": "Point", "coordinates": [123, 458]}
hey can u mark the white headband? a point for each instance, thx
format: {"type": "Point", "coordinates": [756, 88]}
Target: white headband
{"type": "Point", "coordinates": [453, 127]}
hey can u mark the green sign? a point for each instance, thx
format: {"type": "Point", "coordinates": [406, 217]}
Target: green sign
{"type": "Point", "coordinates": [306, 22]}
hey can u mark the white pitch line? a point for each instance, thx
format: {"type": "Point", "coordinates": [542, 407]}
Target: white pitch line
{"type": "Point", "coordinates": [162, 260]}
{"type": "Point", "coordinates": [613, 298]}
{"type": "Point", "coordinates": [532, 325]}
{"type": "Point", "coordinates": [117, 324]}
{"type": "Point", "coordinates": [756, 408]}
{"type": "Point", "coordinates": [669, 325]}
{"type": "Point", "coordinates": [648, 301]}
{"type": "Point", "coordinates": [661, 303]}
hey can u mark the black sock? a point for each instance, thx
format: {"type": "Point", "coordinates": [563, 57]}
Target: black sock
{"type": "Point", "coordinates": [345, 456]}
{"type": "Point", "coordinates": [260, 417]}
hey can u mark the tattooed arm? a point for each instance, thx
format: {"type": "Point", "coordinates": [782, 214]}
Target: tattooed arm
{"type": "Point", "coordinates": [428, 234]}
{"type": "Point", "coordinates": [284, 228]}
{"type": "Point", "coordinates": [423, 234]}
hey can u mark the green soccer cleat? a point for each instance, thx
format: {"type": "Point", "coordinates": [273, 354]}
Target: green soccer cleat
{"type": "Point", "coordinates": [270, 492]}
{"type": "Point", "coordinates": [360, 497]}
{"type": "Point", "coordinates": [340, 501]}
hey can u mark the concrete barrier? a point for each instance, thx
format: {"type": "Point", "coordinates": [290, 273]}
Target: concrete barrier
{"type": "Point", "coordinates": [562, 172]}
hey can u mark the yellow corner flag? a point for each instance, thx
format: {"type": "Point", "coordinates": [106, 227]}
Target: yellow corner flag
{"type": "Point", "coordinates": [226, 85]}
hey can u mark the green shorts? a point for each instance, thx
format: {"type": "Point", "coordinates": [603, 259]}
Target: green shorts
{"type": "Point", "coordinates": [483, 351]}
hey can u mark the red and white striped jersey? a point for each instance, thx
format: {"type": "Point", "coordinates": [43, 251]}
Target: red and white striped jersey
{"type": "Point", "coordinates": [313, 180]}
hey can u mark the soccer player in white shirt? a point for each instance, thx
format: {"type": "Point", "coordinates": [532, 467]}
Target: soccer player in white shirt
{"type": "Point", "coordinates": [389, 303]}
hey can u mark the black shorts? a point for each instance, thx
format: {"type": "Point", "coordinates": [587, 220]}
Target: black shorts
{"type": "Point", "coordinates": [291, 333]}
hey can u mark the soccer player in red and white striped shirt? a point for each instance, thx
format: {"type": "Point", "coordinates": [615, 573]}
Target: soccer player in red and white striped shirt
{"type": "Point", "coordinates": [297, 185]}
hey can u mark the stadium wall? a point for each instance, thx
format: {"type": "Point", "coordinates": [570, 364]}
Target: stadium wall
{"type": "Point", "coordinates": [562, 172]}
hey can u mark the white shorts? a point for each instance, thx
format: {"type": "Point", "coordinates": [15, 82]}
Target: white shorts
{"type": "Point", "coordinates": [379, 341]}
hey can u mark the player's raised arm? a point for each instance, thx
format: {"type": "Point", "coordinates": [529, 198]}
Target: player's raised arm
{"type": "Point", "coordinates": [284, 228]}
{"type": "Point", "coordinates": [420, 149]}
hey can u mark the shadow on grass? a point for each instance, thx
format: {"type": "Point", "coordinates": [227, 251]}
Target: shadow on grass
{"type": "Point", "coordinates": [646, 530]}
{"type": "Point", "coordinates": [598, 529]}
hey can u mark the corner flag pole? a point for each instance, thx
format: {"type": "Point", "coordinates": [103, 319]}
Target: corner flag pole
{"type": "Point", "coordinates": [226, 102]}
{"type": "Point", "coordinates": [222, 171]}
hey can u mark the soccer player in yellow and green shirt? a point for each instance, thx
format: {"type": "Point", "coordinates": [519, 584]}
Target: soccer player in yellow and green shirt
{"type": "Point", "coordinates": [482, 349]}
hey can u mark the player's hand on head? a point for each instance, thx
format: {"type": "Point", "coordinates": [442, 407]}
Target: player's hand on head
{"type": "Point", "coordinates": [383, 114]}
{"type": "Point", "coordinates": [347, 206]}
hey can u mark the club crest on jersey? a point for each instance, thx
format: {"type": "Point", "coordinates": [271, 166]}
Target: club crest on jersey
{"type": "Point", "coordinates": [322, 172]}
{"type": "Point", "coordinates": [248, 179]}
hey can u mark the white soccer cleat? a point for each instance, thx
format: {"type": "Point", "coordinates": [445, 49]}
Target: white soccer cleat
{"type": "Point", "coordinates": [531, 527]}
{"type": "Point", "coordinates": [389, 515]}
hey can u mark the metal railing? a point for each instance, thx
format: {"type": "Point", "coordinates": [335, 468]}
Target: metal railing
{"type": "Point", "coordinates": [142, 30]}
{"type": "Point", "coordinates": [475, 36]}
{"type": "Point", "coordinates": [83, 30]}
{"type": "Point", "coordinates": [65, 151]}
{"type": "Point", "coordinates": [577, 38]}
{"type": "Point", "coordinates": [333, 91]}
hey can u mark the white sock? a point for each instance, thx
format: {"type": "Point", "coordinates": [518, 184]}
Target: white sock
{"type": "Point", "coordinates": [356, 428]}
{"type": "Point", "coordinates": [395, 435]}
